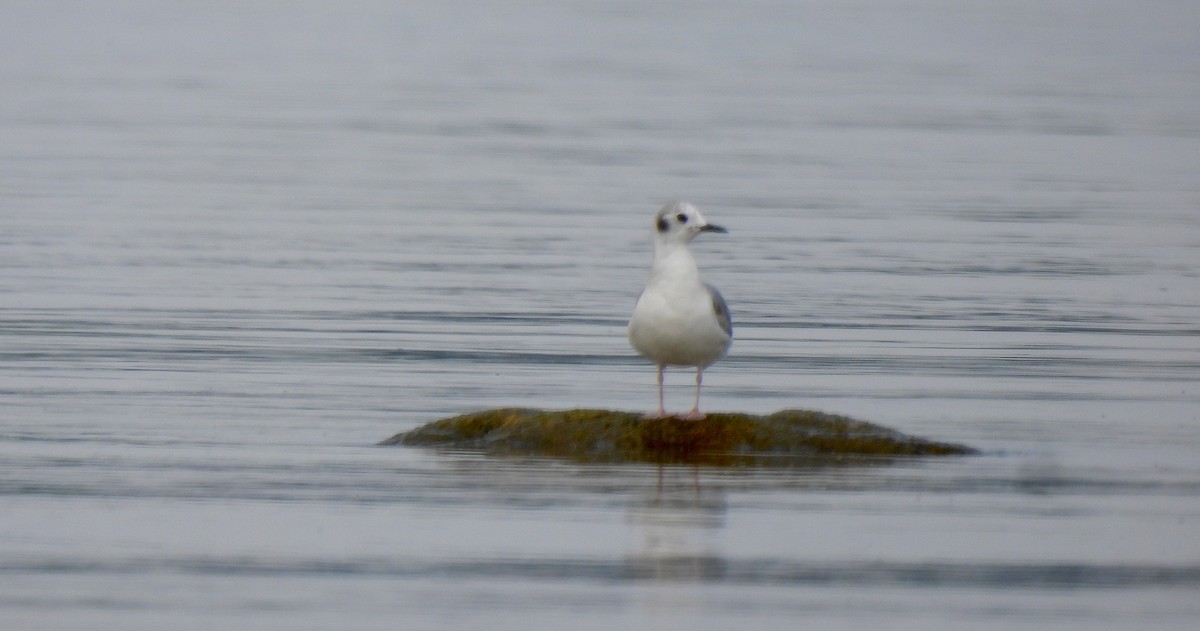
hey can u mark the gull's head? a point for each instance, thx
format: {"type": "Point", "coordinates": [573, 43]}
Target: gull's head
{"type": "Point", "coordinates": [680, 222]}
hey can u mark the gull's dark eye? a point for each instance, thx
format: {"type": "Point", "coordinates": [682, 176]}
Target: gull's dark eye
{"type": "Point", "coordinates": [681, 218]}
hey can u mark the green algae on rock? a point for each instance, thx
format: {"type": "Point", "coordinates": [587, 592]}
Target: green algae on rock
{"type": "Point", "coordinates": [784, 437]}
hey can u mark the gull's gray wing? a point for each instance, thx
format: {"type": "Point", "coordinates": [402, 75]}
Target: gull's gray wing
{"type": "Point", "coordinates": [720, 309]}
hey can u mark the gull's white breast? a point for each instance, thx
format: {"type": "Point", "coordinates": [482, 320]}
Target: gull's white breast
{"type": "Point", "coordinates": [678, 325]}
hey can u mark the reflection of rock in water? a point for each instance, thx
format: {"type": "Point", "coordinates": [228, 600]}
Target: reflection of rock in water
{"type": "Point", "coordinates": [675, 526]}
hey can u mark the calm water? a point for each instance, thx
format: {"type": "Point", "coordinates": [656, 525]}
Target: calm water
{"type": "Point", "coordinates": [239, 244]}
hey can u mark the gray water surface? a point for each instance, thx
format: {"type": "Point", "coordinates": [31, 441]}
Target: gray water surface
{"type": "Point", "coordinates": [242, 243]}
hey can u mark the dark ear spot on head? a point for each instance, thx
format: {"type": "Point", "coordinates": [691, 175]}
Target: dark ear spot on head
{"type": "Point", "coordinates": [662, 224]}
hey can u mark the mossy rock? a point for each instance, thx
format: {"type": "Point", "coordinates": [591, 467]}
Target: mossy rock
{"type": "Point", "coordinates": [784, 438]}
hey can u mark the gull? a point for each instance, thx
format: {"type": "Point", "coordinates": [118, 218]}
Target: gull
{"type": "Point", "coordinates": [679, 320]}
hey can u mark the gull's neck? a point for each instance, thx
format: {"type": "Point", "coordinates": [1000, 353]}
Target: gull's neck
{"type": "Point", "coordinates": [673, 261]}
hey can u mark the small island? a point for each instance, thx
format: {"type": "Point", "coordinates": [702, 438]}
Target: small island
{"type": "Point", "coordinates": [784, 438]}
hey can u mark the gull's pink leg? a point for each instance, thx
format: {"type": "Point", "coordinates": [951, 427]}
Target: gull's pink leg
{"type": "Point", "coordinates": [662, 412]}
{"type": "Point", "coordinates": [696, 414]}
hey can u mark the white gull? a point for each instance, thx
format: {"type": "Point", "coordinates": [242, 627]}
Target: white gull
{"type": "Point", "coordinates": [680, 320]}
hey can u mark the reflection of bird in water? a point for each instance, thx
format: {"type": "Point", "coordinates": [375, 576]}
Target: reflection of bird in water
{"type": "Point", "coordinates": [676, 524]}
